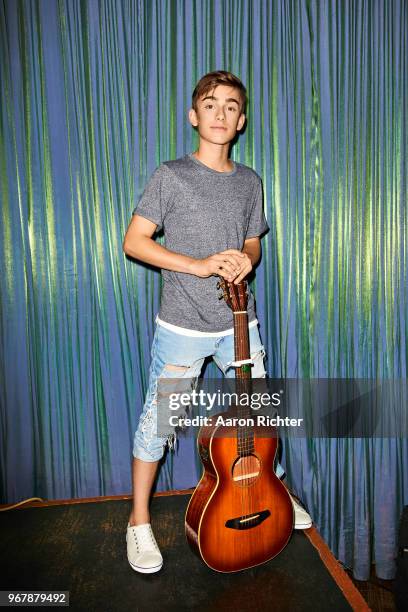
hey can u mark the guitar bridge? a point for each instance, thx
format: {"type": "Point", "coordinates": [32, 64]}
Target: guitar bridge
{"type": "Point", "coordinates": [248, 520]}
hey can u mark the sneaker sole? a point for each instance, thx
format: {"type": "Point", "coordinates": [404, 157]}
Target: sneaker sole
{"type": "Point", "coordinates": [145, 570]}
{"type": "Point", "coordinates": [305, 526]}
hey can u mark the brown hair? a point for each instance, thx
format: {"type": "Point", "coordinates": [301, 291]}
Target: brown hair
{"type": "Point", "coordinates": [220, 77]}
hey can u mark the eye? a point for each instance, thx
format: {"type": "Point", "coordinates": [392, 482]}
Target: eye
{"type": "Point", "coordinates": [232, 108]}
{"type": "Point", "coordinates": [208, 106]}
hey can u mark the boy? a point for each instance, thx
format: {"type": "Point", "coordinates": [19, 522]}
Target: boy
{"type": "Point", "coordinates": [211, 211]}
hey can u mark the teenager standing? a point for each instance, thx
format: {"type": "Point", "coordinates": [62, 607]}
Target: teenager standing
{"type": "Point", "coordinates": [211, 213]}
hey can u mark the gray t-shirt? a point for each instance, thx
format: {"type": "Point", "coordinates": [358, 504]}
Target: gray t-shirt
{"type": "Point", "coordinates": [202, 212]}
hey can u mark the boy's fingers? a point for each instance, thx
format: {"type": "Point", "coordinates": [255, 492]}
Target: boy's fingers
{"type": "Point", "coordinates": [233, 254]}
{"type": "Point", "coordinates": [222, 259]}
{"type": "Point", "coordinates": [226, 274]}
{"type": "Point", "coordinates": [235, 261]}
{"type": "Point", "coordinates": [229, 277]}
{"type": "Point", "coordinates": [242, 275]}
{"type": "Point", "coordinates": [225, 265]}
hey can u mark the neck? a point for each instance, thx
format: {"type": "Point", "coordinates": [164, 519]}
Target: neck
{"type": "Point", "coordinates": [214, 156]}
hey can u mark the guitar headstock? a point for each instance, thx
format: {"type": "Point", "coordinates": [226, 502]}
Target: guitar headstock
{"type": "Point", "coordinates": [236, 296]}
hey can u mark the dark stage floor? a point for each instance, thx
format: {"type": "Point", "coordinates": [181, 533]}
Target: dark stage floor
{"type": "Point", "coordinates": [81, 548]}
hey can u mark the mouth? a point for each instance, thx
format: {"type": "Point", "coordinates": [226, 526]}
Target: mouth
{"type": "Point", "coordinates": [218, 127]}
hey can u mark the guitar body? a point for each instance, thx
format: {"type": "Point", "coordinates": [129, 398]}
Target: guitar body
{"type": "Point", "coordinates": [240, 515]}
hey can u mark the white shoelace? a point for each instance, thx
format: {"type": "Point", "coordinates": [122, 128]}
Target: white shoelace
{"type": "Point", "coordinates": [146, 540]}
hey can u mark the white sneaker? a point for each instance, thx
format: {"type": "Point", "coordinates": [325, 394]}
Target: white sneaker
{"type": "Point", "coordinates": [303, 520]}
{"type": "Point", "coordinates": [142, 550]}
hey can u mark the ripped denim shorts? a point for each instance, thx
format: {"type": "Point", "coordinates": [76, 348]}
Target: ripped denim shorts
{"type": "Point", "coordinates": [178, 356]}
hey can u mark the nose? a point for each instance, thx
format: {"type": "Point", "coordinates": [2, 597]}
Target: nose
{"type": "Point", "coordinates": [220, 115]}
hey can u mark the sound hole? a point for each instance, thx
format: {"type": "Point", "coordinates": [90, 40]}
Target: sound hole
{"type": "Point", "coordinates": [245, 470]}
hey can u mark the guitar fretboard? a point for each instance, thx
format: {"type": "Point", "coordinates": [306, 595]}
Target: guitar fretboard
{"type": "Point", "coordinates": [245, 434]}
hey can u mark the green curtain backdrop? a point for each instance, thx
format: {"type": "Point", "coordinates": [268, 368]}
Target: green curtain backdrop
{"type": "Point", "coordinates": [94, 95]}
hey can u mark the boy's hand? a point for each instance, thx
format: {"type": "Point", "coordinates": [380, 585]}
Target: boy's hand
{"type": "Point", "coordinates": [230, 264]}
{"type": "Point", "coordinates": [246, 267]}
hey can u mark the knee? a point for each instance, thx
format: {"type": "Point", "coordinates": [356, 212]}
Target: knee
{"type": "Point", "coordinates": [173, 370]}
{"type": "Point", "coordinates": [170, 367]}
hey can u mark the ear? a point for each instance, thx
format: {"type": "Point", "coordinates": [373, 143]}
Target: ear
{"type": "Point", "coordinates": [192, 117]}
{"type": "Point", "coordinates": [241, 122]}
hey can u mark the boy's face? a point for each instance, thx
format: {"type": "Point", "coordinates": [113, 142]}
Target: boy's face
{"type": "Point", "coordinates": [218, 116]}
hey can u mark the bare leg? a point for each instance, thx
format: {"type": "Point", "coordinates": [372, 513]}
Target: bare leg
{"type": "Point", "coordinates": [143, 475]}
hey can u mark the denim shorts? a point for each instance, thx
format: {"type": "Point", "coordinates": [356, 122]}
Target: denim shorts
{"type": "Point", "coordinates": [174, 355]}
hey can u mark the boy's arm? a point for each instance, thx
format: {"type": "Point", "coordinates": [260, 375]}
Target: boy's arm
{"type": "Point", "coordinates": [139, 244]}
{"type": "Point", "coordinates": [252, 253]}
{"type": "Point", "coordinates": [252, 248]}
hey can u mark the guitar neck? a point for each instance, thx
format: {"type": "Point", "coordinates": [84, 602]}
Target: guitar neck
{"type": "Point", "coordinates": [241, 344]}
{"type": "Point", "coordinates": [245, 437]}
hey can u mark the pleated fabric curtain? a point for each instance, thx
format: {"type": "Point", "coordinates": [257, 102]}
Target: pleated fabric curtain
{"type": "Point", "coordinates": [94, 95]}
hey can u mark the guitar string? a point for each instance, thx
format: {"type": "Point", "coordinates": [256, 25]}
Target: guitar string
{"type": "Point", "coordinates": [245, 341]}
{"type": "Point", "coordinates": [239, 431]}
{"type": "Point", "coordinates": [245, 462]}
{"type": "Point", "coordinates": [248, 439]}
{"type": "Point", "coordinates": [238, 356]}
{"type": "Point", "coordinates": [237, 376]}
{"type": "Point", "coordinates": [243, 430]}
{"type": "Point", "coordinates": [243, 346]}
{"type": "Point", "coordinates": [241, 342]}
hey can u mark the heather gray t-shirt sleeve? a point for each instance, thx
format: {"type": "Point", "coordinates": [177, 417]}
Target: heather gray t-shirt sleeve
{"type": "Point", "coordinates": [257, 222]}
{"type": "Point", "coordinates": [155, 198]}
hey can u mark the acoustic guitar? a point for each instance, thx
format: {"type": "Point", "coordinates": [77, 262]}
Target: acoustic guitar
{"type": "Point", "coordinates": [240, 514]}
